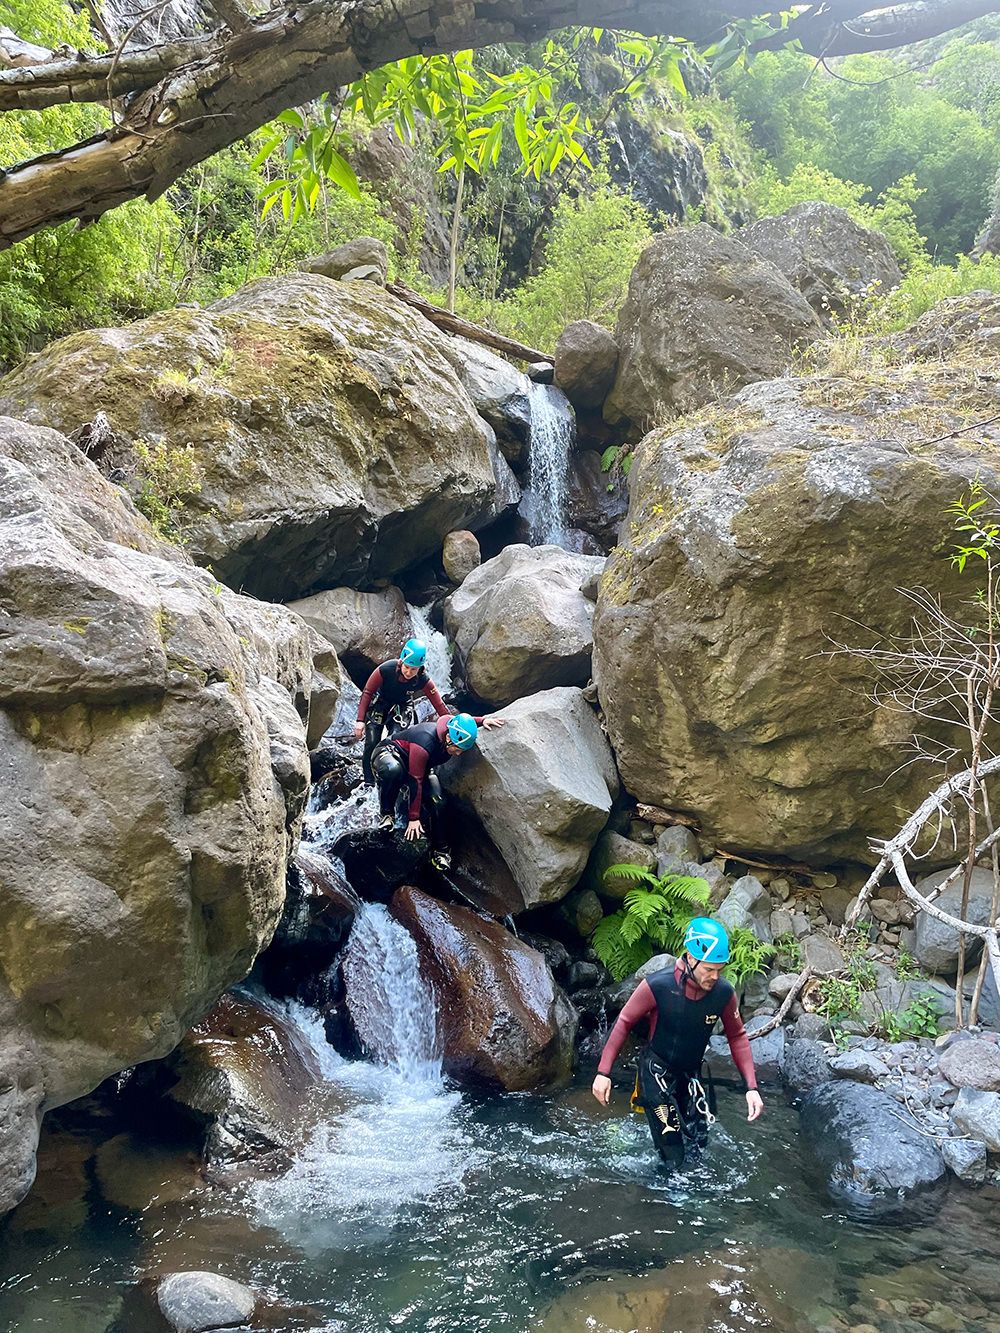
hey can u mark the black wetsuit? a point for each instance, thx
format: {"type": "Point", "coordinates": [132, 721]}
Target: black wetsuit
{"type": "Point", "coordinates": [408, 757]}
{"type": "Point", "coordinates": [387, 704]}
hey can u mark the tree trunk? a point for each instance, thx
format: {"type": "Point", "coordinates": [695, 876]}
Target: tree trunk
{"type": "Point", "coordinates": [452, 323]}
{"type": "Point", "coordinates": [456, 227]}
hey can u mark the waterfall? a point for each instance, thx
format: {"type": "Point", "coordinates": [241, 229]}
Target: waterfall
{"type": "Point", "coordinates": [438, 656]}
{"type": "Point", "coordinates": [552, 433]}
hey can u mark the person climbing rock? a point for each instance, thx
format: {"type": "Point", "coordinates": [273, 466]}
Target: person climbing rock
{"type": "Point", "coordinates": [387, 701]}
{"type": "Point", "coordinates": [681, 1005]}
{"type": "Point", "coordinates": [409, 756]}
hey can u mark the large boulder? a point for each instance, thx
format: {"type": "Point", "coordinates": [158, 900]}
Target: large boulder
{"type": "Point", "coordinates": [704, 314]}
{"type": "Point", "coordinates": [503, 1021]}
{"type": "Point", "coordinates": [586, 361]}
{"type": "Point", "coordinates": [365, 257]}
{"type": "Point", "coordinates": [324, 688]}
{"type": "Point", "coordinates": [972, 1064]}
{"type": "Point", "coordinates": [754, 531]}
{"type": "Point", "coordinates": [365, 628]}
{"type": "Point", "coordinates": [501, 394]}
{"type": "Point", "coordinates": [877, 1165]}
{"type": "Point", "coordinates": [936, 944]}
{"type": "Point", "coordinates": [334, 440]}
{"type": "Point", "coordinates": [543, 787]}
{"type": "Point", "coordinates": [596, 502]}
{"type": "Point", "coordinates": [520, 622]}
{"type": "Point", "coordinates": [154, 770]}
{"type": "Point", "coordinates": [831, 259]}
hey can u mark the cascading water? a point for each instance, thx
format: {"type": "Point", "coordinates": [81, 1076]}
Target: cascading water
{"type": "Point", "coordinates": [552, 432]}
{"type": "Point", "coordinates": [438, 656]}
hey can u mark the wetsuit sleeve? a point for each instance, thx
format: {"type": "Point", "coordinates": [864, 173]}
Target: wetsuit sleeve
{"type": "Point", "coordinates": [640, 1004]}
{"type": "Point", "coordinates": [739, 1043]}
{"type": "Point", "coordinates": [369, 692]}
{"type": "Point", "coordinates": [418, 771]}
{"type": "Point", "coordinates": [431, 691]}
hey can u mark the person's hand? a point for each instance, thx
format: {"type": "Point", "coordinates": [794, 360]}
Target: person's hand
{"type": "Point", "coordinates": [490, 723]}
{"type": "Point", "coordinates": [601, 1089]}
{"type": "Point", "coordinates": [755, 1105]}
{"type": "Point", "coordinates": [359, 730]}
{"type": "Point", "coordinates": [414, 830]}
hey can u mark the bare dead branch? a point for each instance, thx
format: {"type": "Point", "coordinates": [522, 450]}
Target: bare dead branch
{"type": "Point", "coordinates": [805, 975]}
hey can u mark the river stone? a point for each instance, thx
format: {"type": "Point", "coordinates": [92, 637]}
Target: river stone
{"type": "Point", "coordinates": [324, 688]}
{"type": "Point", "coordinates": [966, 1158]}
{"type": "Point", "coordinates": [460, 555]}
{"type": "Point", "coordinates": [977, 1115]}
{"type": "Point", "coordinates": [364, 252]}
{"type": "Point", "coordinates": [316, 920]}
{"type": "Point", "coordinates": [821, 953]}
{"type": "Point", "coordinates": [163, 718]}
{"type": "Point", "coordinates": [748, 536]}
{"type": "Point", "coordinates": [612, 849]}
{"type": "Point", "coordinates": [675, 846]}
{"type": "Point", "coordinates": [199, 1302]}
{"type": "Point", "coordinates": [936, 947]}
{"type": "Point", "coordinates": [543, 786]}
{"type": "Point", "coordinates": [748, 904]}
{"type": "Point", "coordinates": [703, 314]}
{"type": "Point", "coordinates": [806, 1065]}
{"type": "Point", "coordinates": [861, 1066]}
{"type": "Point", "coordinates": [586, 361]}
{"type": "Point", "coordinates": [500, 392]}
{"type": "Point", "coordinates": [876, 1165]}
{"type": "Point", "coordinates": [972, 1064]}
{"type": "Point", "coordinates": [768, 1051]}
{"type": "Point", "coordinates": [364, 628]}
{"type": "Point", "coordinates": [504, 1023]}
{"type": "Point", "coordinates": [836, 901]}
{"type": "Point", "coordinates": [827, 256]}
{"type": "Point", "coordinates": [520, 622]}
{"type": "Point", "coordinates": [335, 441]}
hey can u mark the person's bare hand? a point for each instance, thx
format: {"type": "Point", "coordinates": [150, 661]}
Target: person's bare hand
{"type": "Point", "coordinates": [414, 830]}
{"type": "Point", "coordinates": [601, 1089]}
{"type": "Point", "coordinates": [491, 723]}
{"type": "Point", "coordinates": [359, 730]}
{"type": "Point", "coordinates": [755, 1105]}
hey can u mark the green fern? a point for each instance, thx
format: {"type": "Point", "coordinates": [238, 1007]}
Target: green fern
{"type": "Point", "coordinates": [618, 955]}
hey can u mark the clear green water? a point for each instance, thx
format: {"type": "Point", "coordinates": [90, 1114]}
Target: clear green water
{"type": "Point", "coordinates": [415, 1209]}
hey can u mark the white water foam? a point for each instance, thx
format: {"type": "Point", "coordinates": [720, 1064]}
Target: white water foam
{"type": "Point", "coordinates": [438, 655]}
{"type": "Point", "coordinates": [551, 440]}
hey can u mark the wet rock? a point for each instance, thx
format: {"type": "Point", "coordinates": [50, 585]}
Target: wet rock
{"type": "Point", "coordinates": [377, 862]}
{"type": "Point", "coordinates": [977, 1115]}
{"type": "Point", "coordinates": [364, 628]}
{"type": "Point", "coordinates": [827, 256]}
{"type": "Point", "coordinates": [596, 501]}
{"type": "Point", "coordinates": [747, 904]}
{"type": "Point", "coordinates": [504, 1022]}
{"type": "Point", "coordinates": [966, 1158]}
{"type": "Point", "coordinates": [500, 392]}
{"type": "Point", "coordinates": [674, 847]}
{"type": "Point", "coordinates": [703, 313]}
{"type": "Point", "coordinates": [317, 918]}
{"type": "Point", "coordinates": [859, 1065]}
{"type": "Point", "coordinates": [586, 361]}
{"type": "Point", "coordinates": [768, 1051]}
{"type": "Point", "coordinates": [162, 716]}
{"type": "Point", "coordinates": [520, 622]}
{"type": "Point", "coordinates": [460, 555]}
{"type": "Point", "coordinates": [821, 953]}
{"type": "Point", "coordinates": [299, 399]}
{"type": "Point", "coordinates": [612, 849]}
{"type": "Point", "coordinates": [364, 252]}
{"type": "Point", "coordinates": [936, 947]}
{"type": "Point", "coordinates": [972, 1064]}
{"type": "Point", "coordinates": [584, 976]}
{"type": "Point", "coordinates": [806, 1064]}
{"type": "Point", "coordinates": [199, 1302]}
{"type": "Point", "coordinates": [876, 1165]}
{"type": "Point", "coordinates": [543, 787]}
{"type": "Point", "coordinates": [541, 372]}
{"type": "Point", "coordinates": [324, 688]}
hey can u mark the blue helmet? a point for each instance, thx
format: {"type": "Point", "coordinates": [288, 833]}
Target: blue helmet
{"type": "Point", "coordinates": [706, 940]}
{"type": "Point", "coordinates": [413, 653]}
{"type": "Point", "coordinates": [462, 731]}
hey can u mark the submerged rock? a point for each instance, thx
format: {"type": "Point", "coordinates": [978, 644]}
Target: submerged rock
{"type": "Point", "coordinates": [877, 1164]}
{"type": "Point", "coordinates": [503, 1021]}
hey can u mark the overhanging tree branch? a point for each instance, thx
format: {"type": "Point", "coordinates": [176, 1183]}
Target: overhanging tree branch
{"type": "Point", "coordinates": [86, 79]}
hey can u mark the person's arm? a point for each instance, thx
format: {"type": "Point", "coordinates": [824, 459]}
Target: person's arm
{"type": "Point", "coordinates": [368, 693]}
{"type": "Point", "coordinates": [640, 1004]}
{"type": "Point", "coordinates": [739, 1046]}
{"type": "Point", "coordinates": [440, 707]}
{"type": "Point", "coordinates": [418, 771]}
{"type": "Point", "coordinates": [490, 721]}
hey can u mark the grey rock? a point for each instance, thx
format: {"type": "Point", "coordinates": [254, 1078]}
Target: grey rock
{"type": "Point", "coordinates": [541, 372]}
{"type": "Point", "coordinates": [781, 923]}
{"type": "Point", "coordinates": [639, 831]}
{"type": "Point", "coordinates": [806, 1064]}
{"type": "Point", "coordinates": [500, 392]}
{"type": "Point", "coordinates": [22, 1091]}
{"type": "Point", "coordinates": [586, 361]}
{"type": "Point", "coordinates": [936, 946]}
{"type": "Point", "coordinates": [972, 1064]}
{"type": "Point", "coordinates": [889, 913]}
{"type": "Point", "coordinates": [801, 925]}
{"type": "Point", "coordinates": [780, 887]}
{"type": "Point", "coordinates": [821, 953]}
{"type": "Point", "coordinates": [966, 1158]}
{"type": "Point", "coordinates": [196, 1302]}
{"type": "Point", "coordinates": [977, 1115]}
{"type": "Point", "coordinates": [780, 985]}
{"type": "Point", "coordinates": [367, 253]}
{"type": "Point", "coordinates": [460, 555]}
{"type": "Point", "coordinates": [812, 1027]}
{"type": "Point", "coordinates": [831, 259]}
{"type": "Point", "coordinates": [612, 849]}
{"type": "Point", "coordinates": [660, 962]}
{"type": "Point", "coordinates": [876, 1165]}
{"type": "Point", "coordinates": [675, 846]}
{"type": "Point", "coordinates": [583, 911]}
{"type": "Point", "coordinates": [543, 787]}
{"type": "Point", "coordinates": [942, 1093]}
{"type": "Point", "coordinates": [583, 976]}
{"type": "Point", "coordinates": [836, 901]}
{"type": "Point", "coordinates": [324, 688]}
{"type": "Point", "coordinates": [860, 1065]}
{"type": "Point", "coordinates": [747, 904]}
{"type": "Point", "coordinates": [768, 1051]}
{"type": "Point", "coordinates": [520, 622]}
{"type": "Point", "coordinates": [364, 628]}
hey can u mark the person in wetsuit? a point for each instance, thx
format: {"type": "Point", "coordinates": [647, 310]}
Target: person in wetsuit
{"type": "Point", "coordinates": [387, 700]}
{"type": "Point", "coordinates": [681, 1006]}
{"type": "Point", "coordinates": [409, 757]}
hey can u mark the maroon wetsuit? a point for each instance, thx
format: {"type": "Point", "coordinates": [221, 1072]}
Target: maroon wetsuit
{"type": "Point", "coordinates": [388, 686]}
{"type": "Point", "coordinates": [642, 1005]}
{"type": "Point", "coordinates": [423, 748]}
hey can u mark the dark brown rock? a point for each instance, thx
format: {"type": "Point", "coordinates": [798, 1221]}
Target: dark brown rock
{"type": "Point", "coordinates": [586, 361]}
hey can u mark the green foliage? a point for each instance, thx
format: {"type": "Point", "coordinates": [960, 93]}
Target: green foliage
{"type": "Point", "coordinates": [906, 967]}
{"type": "Point", "coordinates": [166, 478]}
{"type": "Point", "coordinates": [920, 1018]}
{"type": "Point", "coordinates": [788, 951]}
{"type": "Point", "coordinates": [48, 22]}
{"type": "Point", "coordinates": [924, 287]}
{"type": "Point", "coordinates": [747, 955]}
{"type": "Point", "coordinates": [653, 918]}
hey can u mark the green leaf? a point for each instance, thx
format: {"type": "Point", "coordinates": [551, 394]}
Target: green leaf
{"type": "Point", "coordinates": [291, 118]}
{"type": "Point", "coordinates": [341, 173]}
{"type": "Point", "coordinates": [609, 456]}
{"type": "Point", "coordinates": [521, 133]}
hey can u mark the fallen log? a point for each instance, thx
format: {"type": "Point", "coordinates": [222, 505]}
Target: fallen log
{"type": "Point", "coordinates": [444, 319]}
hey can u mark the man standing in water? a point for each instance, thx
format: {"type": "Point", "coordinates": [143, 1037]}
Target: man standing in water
{"type": "Point", "coordinates": [681, 1005]}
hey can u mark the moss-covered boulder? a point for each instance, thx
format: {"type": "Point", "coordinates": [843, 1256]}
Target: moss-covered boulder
{"type": "Point", "coordinates": [762, 533]}
{"type": "Point", "coordinates": [332, 436]}
{"type": "Point", "coordinates": [153, 772]}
